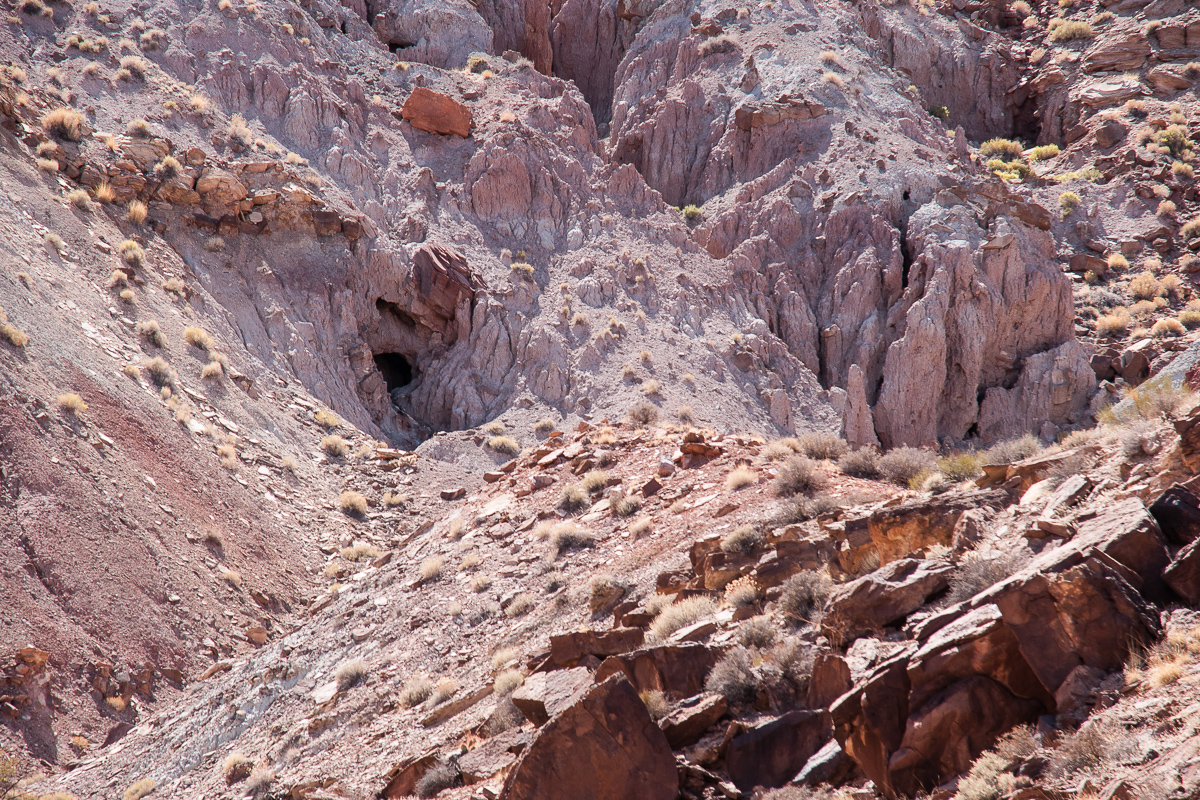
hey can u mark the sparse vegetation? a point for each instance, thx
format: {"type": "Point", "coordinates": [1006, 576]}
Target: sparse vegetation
{"type": "Point", "coordinates": [417, 690]}
{"type": "Point", "coordinates": [350, 674]}
{"type": "Point", "coordinates": [595, 481]}
{"type": "Point", "coordinates": [734, 677]}
{"type": "Point", "coordinates": [139, 789]}
{"type": "Point", "coordinates": [680, 615]}
{"type": "Point", "coordinates": [198, 337]}
{"type": "Point", "coordinates": [643, 414]}
{"type": "Point", "coordinates": [803, 596]}
{"type": "Point", "coordinates": [72, 404]}
{"type": "Point", "coordinates": [63, 123]}
{"type": "Point", "coordinates": [568, 536]}
{"type": "Point", "coordinates": [625, 505]}
{"type": "Point", "coordinates": [160, 371]}
{"type": "Point", "coordinates": [136, 212]}
{"type": "Point", "coordinates": [151, 332]}
{"type": "Point", "coordinates": [1001, 148]}
{"type": "Point", "coordinates": [860, 463]}
{"type": "Point", "coordinates": [236, 767]}
{"type": "Point", "coordinates": [1070, 30]}
{"type": "Point", "coordinates": [437, 779]}
{"type": "Point", "coordinates": [335, 446]}
{"type": "Point", "coordinates": [978, 570]}
{"type": "Point", "coordinates": [11, 333]}
{"type": "Point", "coordinates": [798, 475]}
{"type": "Point", "coordinates": [903, 465]}
{"type": "Point", "coordinates": [821, 446]}
{"type": "Point", "coordinates": [520, 605]}
{"type": "Point", "coordinates": [506, 445]}
{"type": "Point", "coordinates": [739, 478]}
{"type": "Point", "coordinates": [574, 498]}
{"type": "Point", "coordinates": [431, 568]}
{"type": "Point", "coordinates": [743, 539]}
{"type": "Point", "coordinates": [353, 503]}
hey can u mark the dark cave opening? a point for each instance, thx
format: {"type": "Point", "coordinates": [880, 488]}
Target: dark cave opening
{"type": "Point", "coordinates": [1027, 120]}
{"type": "Point", "coordinates": [395, 368]}
{"type": "Point", "coordinates": [398, 45]}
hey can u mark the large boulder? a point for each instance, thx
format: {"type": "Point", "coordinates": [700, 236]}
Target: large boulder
{"type": "Point", "coordinates": [1183, 575]}
{"type": "Point", "coordinates": [909, 528]}
{"type": "Point", "coordinates": [980, 667]}
{"type": "Point", "coordinates": [544, 694]}
{"type": "Point", "coordinates": [604, 747]}
{"type": "Point", "coordinates": [771, 753]}
{"type": "Point", "coordinates": [435, 112]}
{"type": "Point", "coordinates": [1177, 511]}
{"type": "Point", "coordinates": [888, 594]}
{"type": "Point", "coordinates": [678, 669]}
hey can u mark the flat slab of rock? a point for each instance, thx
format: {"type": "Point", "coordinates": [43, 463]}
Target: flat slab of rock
{"type": "Point", "coordinates": [888, 594]}
{"type": "Point", "coordinates": [770, 754]}
{"type": "Point", "coordinates": [678, 669]}
{"type": "Point", "coordinates": [493, 755]}
{"type": "Point", "coordinates": [435, 112]}
{"type": "Point", "coordinates": [568, 648]}
{"type": "Point", "coordinates": [604, 747]}
{"type": "Point", "coordinates": [1177, 511]}
{"type": "Point", "coordinates": [544, 694]}
{"type": "Point", "coordinates": [687, 723]}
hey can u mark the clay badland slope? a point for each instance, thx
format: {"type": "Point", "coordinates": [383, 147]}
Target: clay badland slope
{"type": "Point", "coordinates": [854, 264]}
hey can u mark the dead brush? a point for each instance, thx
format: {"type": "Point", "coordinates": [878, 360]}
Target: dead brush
{"type": "Point", "coordinates": [798, 475]}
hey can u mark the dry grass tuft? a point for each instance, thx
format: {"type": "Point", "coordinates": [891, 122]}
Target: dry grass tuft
{"type": "Point", "coordinates": [335, 446]}
{"type": "Point", "coordinates": [642, 414]}
{"type": "Point", "coordinates": [352, 503]}
{"type": "Point", "coordinates": [506, 445]}
{"type": "Point", "coordinates": [160, 371]}
{"type": "Point", "coordinates": [72, 404]}
{"type": "Point", "coordinates": [417, 690]}
{"type": "Point", "coordinates": [680, 615]}
{"type": "Point", "coordinates": [150, 330]}
{"type": "Point", "coordinates": [744, 539]}
{"type": "Point", "coordinates": [63, 123]}
{"type": "Point", "coordinates": [198, 337]}
{"type": "Point", "coordinates": [519, 605]}
{"type": "Point", "coordinates": [136, 212]}
{"type": "Point", "coordinates": [740, 477]}
{"type": "Point", "coordinates": [350, 674]}
{"type": "Point", "coordinates": [361, 551]}
{"type": "Point", "coordinates": [139, 789]}
{"type": "Point", "coordinates": [798, 475]}
{"type": "Point", "coordinates": [431, 568]}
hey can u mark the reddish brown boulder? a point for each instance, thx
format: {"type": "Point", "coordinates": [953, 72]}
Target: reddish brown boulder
{"type": "Point", "coordinates": [909, 528]}
{"type": "Point", "coordinates": [443, 279]}
{"type": "Point", "coordinates": [678, 669]}
{"type": "Point", "coordinates": [945, 736]}
{"type": "Point", "coordinates": [831, 678]}
{"type": "Point", "coordinates": [770, 754]}
{"type": "Point", "coordinates": [1126, 532]}
{"type": "Point", "coordinates": [435, 112]}
{"type": "Point", "coordinates": [605, 747]}
{"type": "Point", "coordinates": [493, 755]}
{"type": "Point", "coordinates": [566, 649]}
{"type": "Point", "coordinates": [1183, 575]}
{"type": "Point", "coordinates": [544, 694]}
{"type": "Point", "coordinates": [687, 723]}
{"type": "Point", "coordinates": [1177, 511]}
{"type": "Point", "coordinates": [888, 594]}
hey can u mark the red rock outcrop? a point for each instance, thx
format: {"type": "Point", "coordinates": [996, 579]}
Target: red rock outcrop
{"type": "Point", "coordinates": [605, 747]}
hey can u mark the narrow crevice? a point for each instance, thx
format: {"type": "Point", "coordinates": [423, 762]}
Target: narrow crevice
{"type": "Point", "coordinates": [905, 252]}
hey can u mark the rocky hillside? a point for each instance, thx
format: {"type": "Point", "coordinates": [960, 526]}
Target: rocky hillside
{"type": "Point", "coordinates": [646, 398]}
